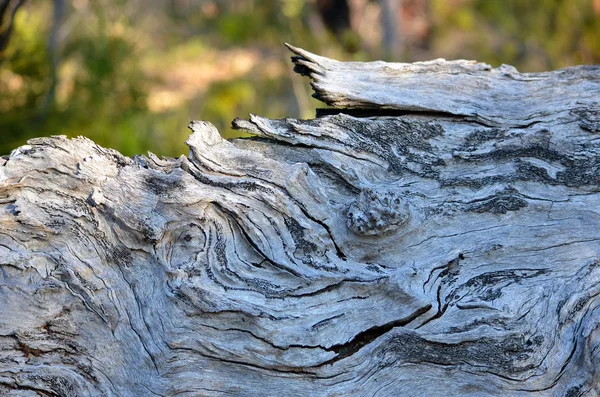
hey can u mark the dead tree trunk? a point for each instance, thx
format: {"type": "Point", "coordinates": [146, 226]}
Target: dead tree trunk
{"type": "Point", "coordinates": [438, 234]}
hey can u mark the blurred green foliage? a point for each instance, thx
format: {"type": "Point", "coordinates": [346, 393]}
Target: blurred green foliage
{"type": "Point", "coordinates": [531, 35]}
{"type": "Point", "coordinates": [133, 73]}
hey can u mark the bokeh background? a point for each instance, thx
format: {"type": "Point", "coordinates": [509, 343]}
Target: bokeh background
{"type": "Point", "coordinates": [131, 74]}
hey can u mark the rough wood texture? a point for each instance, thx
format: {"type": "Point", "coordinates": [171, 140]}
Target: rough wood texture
{"type": "Point", "coordinates": [446, 245]}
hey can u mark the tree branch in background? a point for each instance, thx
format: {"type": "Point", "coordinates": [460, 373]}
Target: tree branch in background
{"type": "Point", "coordinates": [391, 27]}
{"type": "Point", "coordinates": [8, 9]}
{"type": "Point", "coordinates": [53, 55]}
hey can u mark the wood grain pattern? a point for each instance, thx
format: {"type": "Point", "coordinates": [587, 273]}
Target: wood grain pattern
{"type": "Point", "coordinates": [452, 249]}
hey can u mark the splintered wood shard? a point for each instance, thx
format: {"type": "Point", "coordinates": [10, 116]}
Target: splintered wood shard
{"type": "Point", "coordinates": [449, 249]}
{"type": "Point", "coordinates": [500, 97]}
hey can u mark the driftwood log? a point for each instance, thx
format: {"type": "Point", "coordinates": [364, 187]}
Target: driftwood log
{"type": "Point", "coordinates": [436, 233]}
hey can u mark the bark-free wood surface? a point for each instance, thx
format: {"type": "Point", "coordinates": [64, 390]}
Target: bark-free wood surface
{"type": "Point", "coordinates": [440, 237]}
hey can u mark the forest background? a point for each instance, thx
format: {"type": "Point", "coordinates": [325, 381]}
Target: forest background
{"type": "Point", "coordinates": [130, 75]}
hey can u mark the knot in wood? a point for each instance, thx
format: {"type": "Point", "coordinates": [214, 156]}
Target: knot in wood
{"type": "Point", "coordinates": [374, 213]}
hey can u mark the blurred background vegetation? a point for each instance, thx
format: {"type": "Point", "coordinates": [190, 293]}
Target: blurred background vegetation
{"type": "Point", "coordinates": [131, 74]}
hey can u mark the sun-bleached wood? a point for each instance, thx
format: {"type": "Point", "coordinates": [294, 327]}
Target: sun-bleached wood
{"type": "Point", "coordinates": [438, 237]}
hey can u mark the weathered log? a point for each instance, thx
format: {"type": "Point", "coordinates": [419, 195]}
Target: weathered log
{"type": "Point", "coordinates": [440, 236]}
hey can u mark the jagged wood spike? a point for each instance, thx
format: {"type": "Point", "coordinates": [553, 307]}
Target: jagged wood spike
{"type": "Point", "coordinates": [452, 249]}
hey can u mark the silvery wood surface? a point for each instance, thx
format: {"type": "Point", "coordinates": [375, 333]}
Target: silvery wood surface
{"type": "Point", "coordinates": [444, 243]}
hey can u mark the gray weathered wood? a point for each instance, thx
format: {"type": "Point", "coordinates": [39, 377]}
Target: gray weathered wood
{"type": "Point", "coordinates": [495, 97]}
{"type": "Point", "coordinates": [446, 243]}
